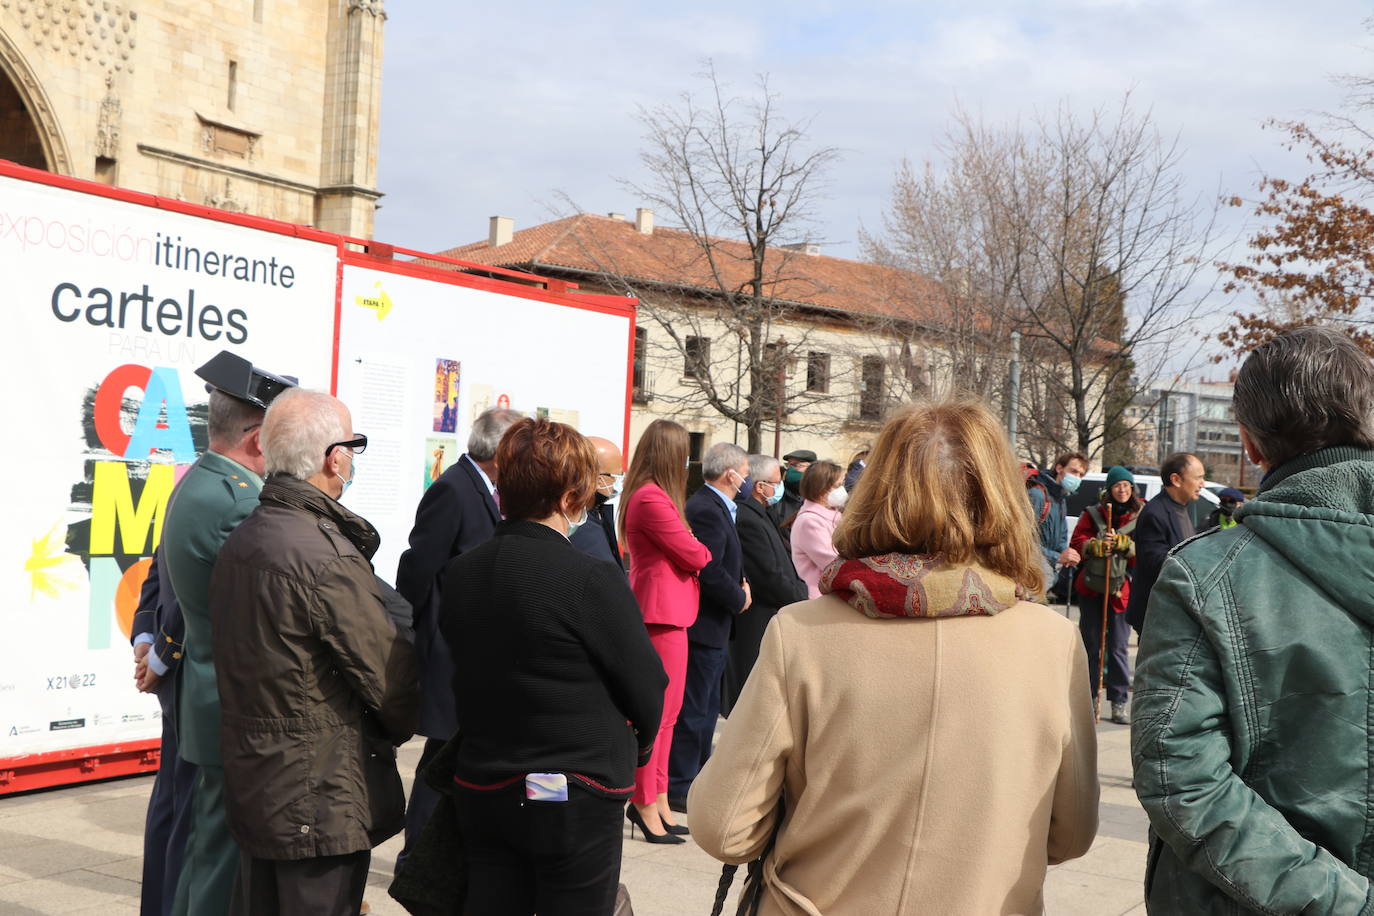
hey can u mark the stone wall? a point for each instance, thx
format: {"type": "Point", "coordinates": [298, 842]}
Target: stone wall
{"type": "Point", "coordinates": [257, 106]}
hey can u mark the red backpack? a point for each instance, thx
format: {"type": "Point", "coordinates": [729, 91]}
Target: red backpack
{"type": "Point", "coordinates": [1030, 472]}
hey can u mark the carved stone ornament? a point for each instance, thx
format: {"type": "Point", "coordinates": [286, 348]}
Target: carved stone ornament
{"type": "Point", "coordinates": [100, 31]}
{"type": "Point", "coordinates": [226, 201]}
{"type": "Point", "coordinates": [374, 7]}
{"type": "Point", "coordinates": [107, 128]}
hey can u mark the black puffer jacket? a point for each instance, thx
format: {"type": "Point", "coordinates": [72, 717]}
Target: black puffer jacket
{"type": "Point", "coordinates": [316, 684]}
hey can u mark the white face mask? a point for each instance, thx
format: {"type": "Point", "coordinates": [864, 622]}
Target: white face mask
{"type": "Point", "coordinates": [837, 497]}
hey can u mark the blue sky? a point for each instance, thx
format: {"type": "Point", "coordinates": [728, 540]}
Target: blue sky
{"type": "Point", "coordinates": [504, 109]}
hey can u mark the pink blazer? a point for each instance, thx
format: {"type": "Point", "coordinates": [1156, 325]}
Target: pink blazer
{"type": "Point", "coordinates": [664, 558]}
{"type": "Point", "coordinates": [813, 543]}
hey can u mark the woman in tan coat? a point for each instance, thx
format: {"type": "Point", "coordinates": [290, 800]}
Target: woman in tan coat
{"type": "Point", "coordinates": [920, 736]}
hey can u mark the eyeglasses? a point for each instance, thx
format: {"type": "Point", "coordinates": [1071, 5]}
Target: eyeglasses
{"type": "Point", "coordinates": [357, 445]}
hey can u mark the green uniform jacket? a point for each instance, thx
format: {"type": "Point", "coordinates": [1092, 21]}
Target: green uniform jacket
{"type": "Point", "coordinates": [215, 495]}
{"type": "Point", "coordinates": [1253, 721]}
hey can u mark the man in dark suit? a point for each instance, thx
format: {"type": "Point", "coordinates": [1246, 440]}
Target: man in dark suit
{"type": "Point", "coordinates": [1164, 523]}
{"type": "Point", "coordinates": [157, 636]}
{"type": "Point", "coordinates": [768, 568]}
{"type": "Point", "coordinates": [724, 593]}
{"type": "Point", "coordinates": [597, 537]}
{"type": "Point", "coordinates": [458, 512]}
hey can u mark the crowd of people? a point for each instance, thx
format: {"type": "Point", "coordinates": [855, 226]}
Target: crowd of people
{"type": "Point", "coordinates": [910, 728]}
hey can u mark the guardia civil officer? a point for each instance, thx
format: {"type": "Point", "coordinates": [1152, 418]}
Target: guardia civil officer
{"type": "Point", "coordinates": [217, 493]}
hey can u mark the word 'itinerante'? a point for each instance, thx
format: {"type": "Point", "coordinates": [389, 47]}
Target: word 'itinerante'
{"type": "Point", "coordinates": [213, 263]}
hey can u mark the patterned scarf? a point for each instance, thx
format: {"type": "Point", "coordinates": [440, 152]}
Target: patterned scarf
{"type": "Point", "coordinates": [917, 585]}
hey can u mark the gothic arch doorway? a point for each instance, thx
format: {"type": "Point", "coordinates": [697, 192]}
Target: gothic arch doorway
{"type": "Point", "coordinates": [28, 131]}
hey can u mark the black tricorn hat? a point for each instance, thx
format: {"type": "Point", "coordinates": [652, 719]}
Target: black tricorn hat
{"type": "Point", "coordinates": [236, 377]}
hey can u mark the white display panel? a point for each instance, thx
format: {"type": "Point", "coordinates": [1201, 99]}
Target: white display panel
{"type": "Point", "coordinates": [526, 353]}
{"type": "Point", "coordinates": [110, 306]}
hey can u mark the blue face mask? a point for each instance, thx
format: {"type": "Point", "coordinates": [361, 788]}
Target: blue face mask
{"type": "Point", "coordinates": [1070, 484]}
{"type": "Point", "coordinates": [574, 525]}
{"type": "Point", "coordinates": [352, 473]}
{"type": "Point", "coordinates": [777, 494]}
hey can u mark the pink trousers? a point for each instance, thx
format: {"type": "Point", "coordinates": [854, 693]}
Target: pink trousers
{"type": "Point", "coordinates": [651, 780]}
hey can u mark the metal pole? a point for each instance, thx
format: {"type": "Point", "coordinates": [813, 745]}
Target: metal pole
{"type": "Point", "coordinates": [1014, 395]}
{"type": "Point", "coordinates": [782, 392]}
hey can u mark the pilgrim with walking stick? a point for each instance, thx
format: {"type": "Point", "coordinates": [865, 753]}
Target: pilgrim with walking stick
{"type": "Point", "coordinates": [1103, 536]}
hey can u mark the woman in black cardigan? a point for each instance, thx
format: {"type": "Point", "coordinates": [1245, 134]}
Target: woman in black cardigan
{"type": "Point", "coordinates": [558, 689]}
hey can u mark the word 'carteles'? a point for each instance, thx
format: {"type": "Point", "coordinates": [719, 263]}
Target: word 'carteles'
{"type": "Point", "coordinates": [168, 316]}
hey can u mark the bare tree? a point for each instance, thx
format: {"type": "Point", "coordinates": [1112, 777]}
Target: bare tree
{"type": "Point", "coordinates": [741, 181]}
{"type": "Point", "coordinates": [950, 290]}
{"type": "Point", "coordinates": [1080, 234]}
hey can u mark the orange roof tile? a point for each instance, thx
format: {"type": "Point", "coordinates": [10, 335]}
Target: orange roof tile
{"type": "Point", "coordinates": [670, 257]}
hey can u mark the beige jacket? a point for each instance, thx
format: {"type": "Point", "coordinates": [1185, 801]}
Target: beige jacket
{"type": "Point", "coordinates": [931, 766]}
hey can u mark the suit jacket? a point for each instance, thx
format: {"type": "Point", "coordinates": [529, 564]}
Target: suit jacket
{"type": "Point", "coordinates": [664, 558]}
{"type": "Point", "coordinates": [159, 616]}
{"type": "Point", "coordinates": [773, 580]}
{"type": "Point", "coordinates": [215, 495]}
{"type": "Point", "coordinates": [456, 514]}
{"type": "Point", "coordinates": [1156, 534]}
{"type": "Point", "coordinates": [722, 595]}
{"type": "Point", "coordinates": [597, 537]}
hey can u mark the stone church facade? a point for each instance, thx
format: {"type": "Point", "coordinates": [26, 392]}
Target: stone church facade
{"type": "Point", "coordinates": [266, 107]}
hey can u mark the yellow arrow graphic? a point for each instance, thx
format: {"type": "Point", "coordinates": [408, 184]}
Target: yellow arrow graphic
{"type": "Point", "coordinates": [381, 302]}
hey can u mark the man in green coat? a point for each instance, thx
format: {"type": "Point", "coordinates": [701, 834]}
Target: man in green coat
{"type": "Point", "coordinates": [1253, 719]}
{"type": "Point", "coordinates": [218, 492]}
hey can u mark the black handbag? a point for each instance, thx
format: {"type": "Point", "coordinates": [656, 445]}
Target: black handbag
{"type": "Point", "coordinates": [433, 880]}
{"type": "Point", "coordinates": [751, 893]}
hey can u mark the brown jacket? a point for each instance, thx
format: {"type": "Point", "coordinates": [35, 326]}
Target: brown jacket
{"type": "Point", "coordinates": [928, 765]}
{"type": "Point", "coordinates": [316, 685]}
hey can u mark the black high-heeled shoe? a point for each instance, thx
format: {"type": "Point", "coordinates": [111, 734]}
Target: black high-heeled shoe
{"type": "Point", "coordinates": [675, 829]}
{"type": "Point", "coordinates": [637, 820]}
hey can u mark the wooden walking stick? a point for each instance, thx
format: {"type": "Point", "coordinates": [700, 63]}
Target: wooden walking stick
{"type": "Point", "coordinates": [1106, 600]}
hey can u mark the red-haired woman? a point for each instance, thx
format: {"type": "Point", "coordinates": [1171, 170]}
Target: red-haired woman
{"type": "Point", "coordinates": [558, 691]}
{"type": "Point", "coordinates": [664, 561]}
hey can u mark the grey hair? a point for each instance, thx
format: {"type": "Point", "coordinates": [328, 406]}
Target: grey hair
{"type": "Point", "coordinates": [487, 430]}
{"type": "Point", "coordinates": [299, 426]}
{"type": "Point", "coordinates": [720, 458]}
{"type": "Point", "coordinates": [1307, 389]}
{"type": "Point", "coordinates": [228, 419]}
{"type": "Point", "coordinates": [761, 466]}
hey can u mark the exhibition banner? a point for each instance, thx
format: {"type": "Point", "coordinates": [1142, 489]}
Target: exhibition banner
{"type": "Point", "coordinates": [110, 307]}
{"type": "Point", "coordinates": [422, 356]}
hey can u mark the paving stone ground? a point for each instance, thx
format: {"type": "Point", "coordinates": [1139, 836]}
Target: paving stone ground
{"type": "Point", "coordinates": [78, 850]}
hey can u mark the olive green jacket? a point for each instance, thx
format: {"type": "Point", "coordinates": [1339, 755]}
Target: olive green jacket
{"type": "Point", "coordinates": [1253, 721]}
{"type": "Point", "coordinates": [215, 495]}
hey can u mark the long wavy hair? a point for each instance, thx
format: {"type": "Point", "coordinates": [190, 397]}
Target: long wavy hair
{"type": "Point", "coordinates": [942, 479]}
{"type": "Point", "coordinates": [660, 457]}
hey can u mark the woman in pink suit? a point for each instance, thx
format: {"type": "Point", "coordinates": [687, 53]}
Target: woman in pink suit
{"type": "Point", "coordinates": [813, 527]}
{"type": "Point", "coordinates": [664, 561]}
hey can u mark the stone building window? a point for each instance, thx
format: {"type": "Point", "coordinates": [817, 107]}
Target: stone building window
{"type": "Point", "coordinates": [871, 388]}
{"type": "Point", "coordinates": [106, 170]}
{"type": "Point", "coordinates": [818, 372]}
{"type": "Point", "coordinates": [696, 357]}
{"type": "Point", "coordinates": [640, 382]}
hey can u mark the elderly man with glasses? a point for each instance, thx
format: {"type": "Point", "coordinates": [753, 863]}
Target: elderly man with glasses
{"type": "Point", "coordinates": [317, 685]}
{"type": "Point", "coordinates": [215, 495]}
